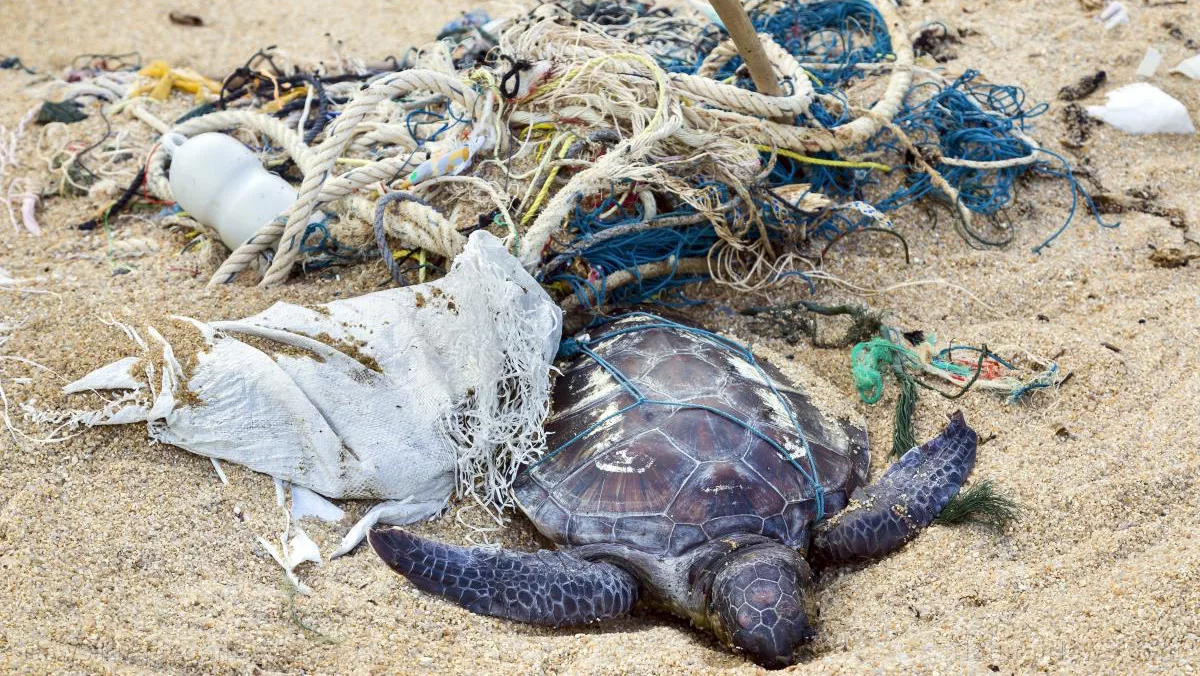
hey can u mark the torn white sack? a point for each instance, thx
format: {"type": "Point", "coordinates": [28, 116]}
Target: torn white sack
{"type": "Point", "coordinates": [402, 395]}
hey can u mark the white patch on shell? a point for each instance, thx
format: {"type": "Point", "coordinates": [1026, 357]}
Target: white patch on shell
{"type": "Point", "coordinates": [622, 462]}
{"type": "Point", "coordinates": [606, 417]}
{"type": "Point", "coordinates": [599, 384]}
{"type": "Point", "coordinates": [794, 450]}
{"type": "Point", "coordinates": [778, 412]}
{"type": "Point", "coordinates": [721, 488]}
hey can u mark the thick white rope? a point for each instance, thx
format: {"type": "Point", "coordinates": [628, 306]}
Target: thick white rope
{"type": "Point", "coordinates": [320, 169]}
{"type": "Point", "coordinates": [729, 97]}
{"type": "Point", "coordinates": [415, 225]}
{"type": "Point", "coordinates": [693, 110]}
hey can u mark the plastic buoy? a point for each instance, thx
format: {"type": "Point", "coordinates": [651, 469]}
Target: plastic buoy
{"type": "Point", "coordinates": [221, 183]}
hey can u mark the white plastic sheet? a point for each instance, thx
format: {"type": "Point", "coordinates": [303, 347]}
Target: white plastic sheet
{"type": "Point", "coordinates": [401, 395]}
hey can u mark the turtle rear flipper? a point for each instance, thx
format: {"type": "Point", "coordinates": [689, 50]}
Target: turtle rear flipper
{"type": "Point", "coordinates": [909, 495]}
{"type": "Point", "coordinates": [550, 588]}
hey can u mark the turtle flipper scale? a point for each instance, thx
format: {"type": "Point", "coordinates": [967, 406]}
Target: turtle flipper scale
{"type": "Point", "coordinates": [908, 496]}
{"type": "Point", "coordinates": [549, 588]}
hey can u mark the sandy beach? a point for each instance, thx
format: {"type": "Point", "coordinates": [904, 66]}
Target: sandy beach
{"type": "Point", "coordinates": [122, 556]}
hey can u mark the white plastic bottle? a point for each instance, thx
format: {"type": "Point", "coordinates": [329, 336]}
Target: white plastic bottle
{"type": "Point", "coordinates": [221, 183]}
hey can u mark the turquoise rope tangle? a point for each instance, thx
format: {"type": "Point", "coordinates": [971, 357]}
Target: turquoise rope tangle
{"type": "Point", "coordinates": [866, 362]}
{"type": "Point", "coordinates": [869, 359]}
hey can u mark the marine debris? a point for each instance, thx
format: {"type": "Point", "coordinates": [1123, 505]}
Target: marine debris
{"type": "Point", "coordinates": [620, 150]}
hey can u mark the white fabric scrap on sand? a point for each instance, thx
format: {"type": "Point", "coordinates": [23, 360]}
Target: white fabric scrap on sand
{"type": "Point", "coordinates": [407, 395]}
{"type": "Point", "coordinates": [295, 548]}
{"type": "Point", "coordinates": [115, 376]}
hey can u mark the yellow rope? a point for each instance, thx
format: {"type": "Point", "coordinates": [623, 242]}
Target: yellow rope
{"type": "Point", "coordinates": [821, 160]}
{"type": "Point", "coordinates": [280, 102]}
{"type": "Point", "coordinates": [541, 196]}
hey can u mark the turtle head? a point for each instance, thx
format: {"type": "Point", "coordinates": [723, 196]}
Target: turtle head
{"type": "Point", "coordinates": [757, 604]}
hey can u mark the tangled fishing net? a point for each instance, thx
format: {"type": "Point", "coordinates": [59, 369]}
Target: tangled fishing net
{"type": "Point", "coordinates": [618, 149]}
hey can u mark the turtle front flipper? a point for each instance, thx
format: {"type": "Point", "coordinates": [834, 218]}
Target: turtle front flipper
{"type": "Point", "coordinates": [550, 588]}
{"type": "Point", "coordinates": [909, 495]}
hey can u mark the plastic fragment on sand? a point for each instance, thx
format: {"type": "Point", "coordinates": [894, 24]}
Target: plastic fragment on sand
{"type": "Point", "coordinates": [1114, 14]}
{"type": "Point", "coordinates": [1150, 63]}
{"type": "Point", "coordinates": [115, 376]}
{"type": "Point", "coordinates": [301, 549]}
{"type": "Point", "coordinates": [1142, 108]}
{"type": "Point", "coordinates": [220, 472]}
{"type": "Point", "coordinates": [291, 553]}
{"type": "Point", "coordinates": [306, 504]}
{"type": "Point", "coordinates": [1189, 67]}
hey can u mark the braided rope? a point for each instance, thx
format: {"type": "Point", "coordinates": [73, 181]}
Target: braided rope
{"type": "Point", "coordinates": [722, 54]}
{"type": "Point", "coordinates": [497, 199]}
{"type": "Point", "coordinates": [332, 148]}
{"type": "Point", "coordinates": [990, 165]}
{"type": "Point", "coordinates": [693, 110]}
{"type": "Point", "coordinates": [808, 139]}
{"type": "Point", "coordinates": [287, 234]}
{"type": "Point", "coordinates": [415, 225]}
{"type": "Point", "coordinates": [753, 103]}
{"type": "Point", "coordinates": [385, 134]}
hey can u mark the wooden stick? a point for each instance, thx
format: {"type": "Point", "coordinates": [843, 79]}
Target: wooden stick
{"type": "Point", "coordinates": [733, 15]}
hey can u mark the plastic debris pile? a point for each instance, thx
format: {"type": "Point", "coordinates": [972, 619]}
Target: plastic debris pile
{"type": "Point", "coordinates": [618, 149]}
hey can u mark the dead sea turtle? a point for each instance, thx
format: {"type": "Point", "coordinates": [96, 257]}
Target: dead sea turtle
{"type": "Point", "coordinates": [685, 473]}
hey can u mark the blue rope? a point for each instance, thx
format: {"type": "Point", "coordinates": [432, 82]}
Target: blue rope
{"type": "Point", "coordinates": [1047, 379]}
{"type": "Point", "coordinates": [966, 118]}
{"type": "Point", "coordinates": [945, 353]}
{"type": "Point", "coordinates": [573, 347]}
{"type": "Point", "coordinates": [1076, 191]}
{"type": "Point", "coordinates": [432, 117]}
{"type": "Point", "coordinates": [842, 32]}
{"type": "Point", "coordinates": [322, 250]}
